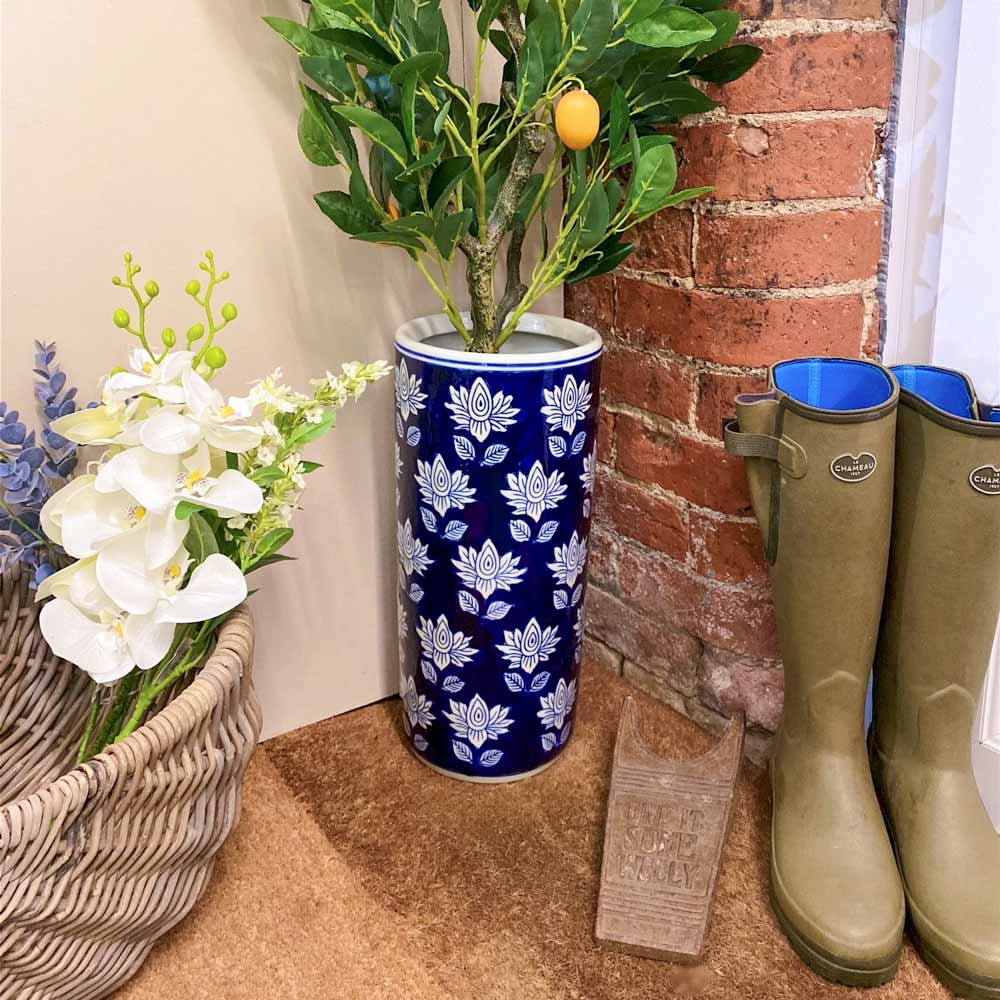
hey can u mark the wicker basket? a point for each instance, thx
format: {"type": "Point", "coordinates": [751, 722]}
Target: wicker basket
{"type": "Point", "coordinates": [98, 861]}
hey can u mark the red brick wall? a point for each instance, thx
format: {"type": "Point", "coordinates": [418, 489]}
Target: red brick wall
{"type": "Point", "coordinates": [780, 262]}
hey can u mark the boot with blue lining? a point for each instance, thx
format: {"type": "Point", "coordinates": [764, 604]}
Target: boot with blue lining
{"type": "Point", "coordinates": [938, 626]}
{"type": "Point", "coordinates": [819, 449]}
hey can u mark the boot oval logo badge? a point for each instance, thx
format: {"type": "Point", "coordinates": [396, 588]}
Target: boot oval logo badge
{"type": "Point", "coordinates": [986, 479]}
{"type": "Point", "coordinates": [854, 468]}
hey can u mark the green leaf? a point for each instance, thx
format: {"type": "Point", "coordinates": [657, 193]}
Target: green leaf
{"type": "Point", "coordinates": [424, 65]}
{"type": "Point", "coordinates": [641, 9]}
{"type": "Point", "coordinates": [487, 15]}
{"type": "Point", "coordinates": [360, 48]}
{"type": "Point", "coordinates": [543, 22]}
{"type": "Point", "coordinates": [728, 64]}
{"type": "Point", "coordinates": [408, 241]}
{"type": "Point", "coordinates": [429, 159]}
{"type": "Point", "coordinates": [315, 141]}
{"type": "Point", "coordinates": [502, 44]}
{"type": "Point", "coordinates": [727, 23]}
{"type": "Point", "coordinates": [447, 174]}
{"type": "Point", "coordinates": [686, 195]}
{"type": "Point", "coordinates": [442, 115]}
{"type": "Point", "coordinates": [330, 72]}
{"type": "Point", "coordinates": [232, 460]}
{"type": "Point", "coordinates": [380, 130]}
{"type": "Point", "coordinates": [185, 509]}
{"type": "Point", "coordinates": [275, 539]}
{"type": "Point", "coordinates": [611, 254]}
{"type": "Point", "coordinates": [613, 189]}
{"type": "Point", "coordinates": [671, 27]}
{"type": "Point", "coordinates": [307, 467]}
{"type": "Point", "coordinates": [655, 177]}
{"type": "Point", "coordinates": [309, 432]}
{"type": "Point", "coordinates": [626, 153]}
{"type": "Point", "coordinates": [299, 37]}
{"type": "Point", "coordinates": [331, 14]}
{"type": "Point", "coordinates": [589, 32]}
{"type": "Point", "coordinates": [618, 126]}
{"type": "Point", "coordinates": [351, 218]}
{"type": "Point", "coordinates": [673, 99]}
{"type": "Point", "coordinates": [268, 474]}
{"type": "Point", "coordinates": [450, 230]}
{"type": "Point", "coordinates": [528, 196]}
{"type": "Point", "coordinates": [596, 215]}
{"type": "Point", "coordinates": [340, 133]}
{"type": "Point", "coordinates": [705, 5]}
{"type": "Point", "coordinates": [530, 72]}
{"type": "Point", "coordinates": [270, 560]}
{"type": "Point", "coordinates": [417, 222]}
{"type": "Point", "coordinates": [200, 540]}
{"type": "Point", "coordinates": [408, 111]}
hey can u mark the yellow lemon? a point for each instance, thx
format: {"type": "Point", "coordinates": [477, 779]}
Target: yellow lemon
{"type": "Point", "coordinates": [578, 119]}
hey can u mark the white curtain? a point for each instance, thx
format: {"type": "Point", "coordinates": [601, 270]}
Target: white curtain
{"type": "Point", "coordinates": [943, 288]}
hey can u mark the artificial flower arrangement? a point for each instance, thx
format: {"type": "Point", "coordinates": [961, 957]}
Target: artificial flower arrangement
{"type": "Point", "coordinates": [192, 492]}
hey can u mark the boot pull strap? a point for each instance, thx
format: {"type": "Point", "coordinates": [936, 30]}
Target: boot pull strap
{"type": "Point", "coordinates": [783, 450]}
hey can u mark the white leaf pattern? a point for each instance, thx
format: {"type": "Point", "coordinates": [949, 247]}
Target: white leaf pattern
{"type": "Point", "coordinates": [454, 530]}
{"type": "Point", "coordinates": [452, 684]}
{"type": "Point", "coordinates": [461, 751]}
{"type": "Point", "coordinates": [498, 610]}
{"type": "Point", "coordinates": [427, 668]}
{"type": "Point", "coordinates": [415, 593]}
{"type": "Point", "coordinates": [548, 741]}
{"type": "Point", "coordinates": [557, 446]}
{"type": "Point", "coordinates": [495, 454]}
{"type": "Point", "coordinates": [468, 602]}
{"type": "Point", "coordinates": [547, 530]}
{"type": "Point", "coordinates": [520, 531]}
{"type": "Point", "coordinates": [430, 521]}
{"type": "Point", "coordinates": [413, 436]}
{"type": "Point", "coordinates": [578, 442]}
{"type": "Point", "coordinates": [514, 681]}
{"type": "Point", "coordinates": [489, 758]}
{"type": "Point", "coordinates": [465, 449]}
{"type": "Point", "coordinates": [559, 599]}
{"type": "Point", "coordinates": [419, 742]}
{"type": "Point", "coordinates": [540, 681]}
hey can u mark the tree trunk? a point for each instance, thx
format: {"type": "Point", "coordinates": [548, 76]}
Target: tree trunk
{"type": "Point", "coordinates": [480, 271]}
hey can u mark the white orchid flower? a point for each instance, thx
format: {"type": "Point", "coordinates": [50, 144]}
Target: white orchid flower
{"type": "Point", "coordinates": [217, 585]}
{"type": "Point", "coordinates": [78, 584]}
{"type": "Point", "coordinates": [207, 416]}
{"type": "Point", "coordinates": [118, 423]}
{"type": "Point", "coordinates": [148, 377]}
{"type": "Point", "coordinates": [158, 482]}
{"type": "Point", "coordinates": [54, 510]}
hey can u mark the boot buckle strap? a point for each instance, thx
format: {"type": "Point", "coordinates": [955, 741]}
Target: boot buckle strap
{"type": "Point", "coordinates": [789, 454]}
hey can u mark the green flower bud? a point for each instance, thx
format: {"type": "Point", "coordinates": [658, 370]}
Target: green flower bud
{"type": "Point", "coordinates": [215, 357]}
{"type": "Point", "coordinates": [117, 370]}
{"type": "Point", "coordinates": [193, 287]}
{"type": "Point", "coordinates": [152, 289]}
{"type": "Point", "coordinates": [128, 257]}
{"type": "Point", "coordinates": [195, 332]}
{"type": "Point", "coordinates": [168, 337]}
{"type": "Point", "coordinates": [121, 318]}
{"type": "Point", "coordinates": [229, 312]}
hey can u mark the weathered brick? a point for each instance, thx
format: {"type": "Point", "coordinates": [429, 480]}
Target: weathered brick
{"type": "Point", "coordinates": [638, 514]}
{"type": "Point", "coordinates": [737, 330]}
{"type": "Point", "coordinates": [834, 71]}
{"type": "Point", "coordinates": [730, 683]}
{"type": "Point", "coordinates": [699, 471]}
{"type": "Point", "coordinates": [672, 654]}
{"type": "Point", "coordinates": [660, 587]}
{"type": "Point", "coordinates": [853, 10]}
{"type": "Point", "coordinates": [739, 619]}
{"type": "Point", "coordinates": [789, 251]}
{"type": "Point", "coordinates": [592, 302]}
{"type": "Point", "coordinates": [601, 655]}
{"type": "Point", "coordinates": [717, 392]}
{"type": "Point", "coordinates": [663, 244]}
{"type": "Point", "coordinates": [730, 551]}
{"type": "Point", "coordinates": [604, 550]}
{"type": "Point", "coordinates": [605, 436]}
{"type": "Point", "coordinates": [778, 160]}
{"type": "Point", "coordinates": [654, 384]}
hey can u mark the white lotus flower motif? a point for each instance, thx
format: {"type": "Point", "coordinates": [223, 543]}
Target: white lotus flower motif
{"type": "Point", "coordinates": [525, 648]}
{"type": "Point", "coordinates": [567, 404]}
{"type": "Point", "coordinates": [412, 552]}
{"type": "Point", "coordinates": [441, 488]}
{"type": "Point", "coordinates": [557, 705]}
{"type": "Point", "coordinates": [409, 398]}
{"type": "Point", "coordinates": [477, 722]}
{"type": "Point", "coordinates": [148, 377]}
{"type": "Point", "coordinates": [417, 706]}
{"type": "Point", "coordinates": [476, 411]}
{"type": "Point", "coordinates": [486, 570]}
{"type": "Point", "coordinates": [532, 494]}
{"type": "Point", "coordinates": [444, 647]}
{"type": "Point", "coordinates": [570, 560]}
{"type": "Point", "coordinates": [207, 416]}
{"type": "Point", "coordinates": [587, 476]}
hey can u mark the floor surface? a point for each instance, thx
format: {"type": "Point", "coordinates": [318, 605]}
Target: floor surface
{"type": "Point", "coordinates": [356, 872]}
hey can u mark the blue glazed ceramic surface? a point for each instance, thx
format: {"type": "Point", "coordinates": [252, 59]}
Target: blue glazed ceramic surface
{"type": "Point", "coordinates": [495, 476]}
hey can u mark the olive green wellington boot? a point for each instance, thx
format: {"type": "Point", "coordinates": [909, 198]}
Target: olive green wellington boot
{"type": "Point", "coordinates": [938, 628]}
{"type": "Point", "coordinates": [819, 448]}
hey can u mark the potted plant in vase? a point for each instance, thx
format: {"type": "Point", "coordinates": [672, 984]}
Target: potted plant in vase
{"type": "Point", "coordinates": [496, 407]}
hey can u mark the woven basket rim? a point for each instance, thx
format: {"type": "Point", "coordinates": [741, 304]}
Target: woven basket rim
{"type": "Point", "coordinates": [226, 664]}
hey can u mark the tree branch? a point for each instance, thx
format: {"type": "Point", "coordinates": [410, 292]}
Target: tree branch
{"type": "Point", "coordinates": [509, 16]}
{"type": "Point", "coordinates": [515, 288]}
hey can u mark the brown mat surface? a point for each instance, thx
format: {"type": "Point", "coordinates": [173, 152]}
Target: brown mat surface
{"type": "Point", "coordinates": [359, 873]}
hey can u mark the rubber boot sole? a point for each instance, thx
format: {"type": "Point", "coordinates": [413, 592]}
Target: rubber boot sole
{"type": "Point", "coordinates": [835, 968]}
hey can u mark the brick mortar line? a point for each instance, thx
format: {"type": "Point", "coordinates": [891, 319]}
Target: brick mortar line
{"type": "Point", "coordinates": [699, 366]}
{"type": "Point", "coordinates": [663, 425]}
{"type": "Point", "coordinates": [791, 206]}
{"type": "Point", "coordinates": [854, 287]}
{"type": "Point", "coordinates": [662, 493]}
{"type": "Point", "coordinates": [784, 27]}
{"type": "Point", "coordinates": [721, 115]}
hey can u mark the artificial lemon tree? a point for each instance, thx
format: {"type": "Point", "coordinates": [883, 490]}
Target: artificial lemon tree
{"type": "Point", "coordinates": [587, 85]}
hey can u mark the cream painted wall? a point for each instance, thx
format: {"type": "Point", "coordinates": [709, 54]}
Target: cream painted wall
{"type": "Point", "coordinates": [166, 128]}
